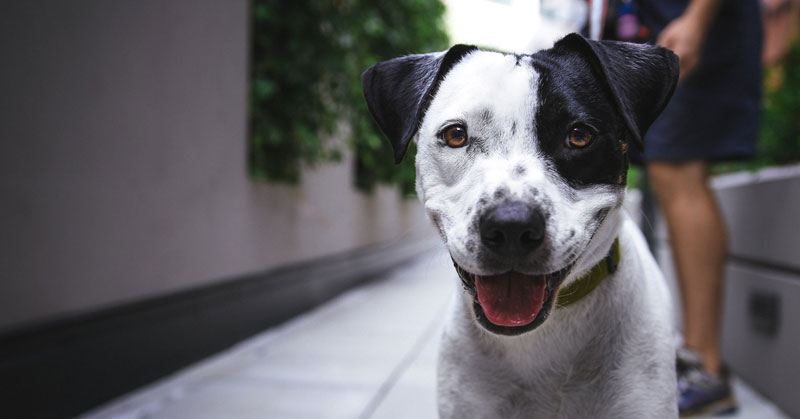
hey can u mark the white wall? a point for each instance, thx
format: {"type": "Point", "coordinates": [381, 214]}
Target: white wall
{"type": "Point", "coordinates": [123, 161]}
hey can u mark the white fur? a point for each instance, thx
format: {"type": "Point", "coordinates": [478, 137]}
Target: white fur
{"type": "Point", "coordinates": [607, 356]}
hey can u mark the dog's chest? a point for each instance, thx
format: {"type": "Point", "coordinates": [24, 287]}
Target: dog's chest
{"type": "Point", "coordinates": [587, 388]}
{"type": "Point", "coordinates": [565, 384]}
{"type": "Point", "coordinates": [557, 396]}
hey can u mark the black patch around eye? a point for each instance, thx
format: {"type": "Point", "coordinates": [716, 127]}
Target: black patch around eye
{"type": "Point", "coordinates": [569, 93]}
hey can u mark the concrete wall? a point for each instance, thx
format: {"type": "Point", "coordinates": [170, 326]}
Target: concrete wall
{"type": "Point", "coordinates": [123, 161]}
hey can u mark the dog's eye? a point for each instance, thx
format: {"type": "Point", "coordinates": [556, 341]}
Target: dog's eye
{"type": "Point", "coordinates": [455, 135]}
{"type": "Point", "coordinates": [579, 137]}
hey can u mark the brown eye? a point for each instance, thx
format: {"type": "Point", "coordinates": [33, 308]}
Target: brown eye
{"type": "Point", "coordinates": [455, 135]}
{"type": "Point", "coordinates": [579, 137]}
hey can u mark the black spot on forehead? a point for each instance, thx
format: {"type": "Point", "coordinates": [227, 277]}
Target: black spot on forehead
{"type": "Point", "coordinates": [570, 92]}
{"type": "Point", "coordinates": [485, 117]}
{"type": "Point", "coordinates": [501, 192]}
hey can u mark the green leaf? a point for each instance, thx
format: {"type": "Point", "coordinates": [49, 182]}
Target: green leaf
{"type": "Point", "coordinates": [306, 61]}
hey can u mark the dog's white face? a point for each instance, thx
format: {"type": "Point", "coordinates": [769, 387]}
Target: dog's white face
{"type": "Point", "coordinates": [503, 161]}
{"type": "Point", "coordinates": [520, 161]}
{"type": "Point", "coordinates": [494, 100]}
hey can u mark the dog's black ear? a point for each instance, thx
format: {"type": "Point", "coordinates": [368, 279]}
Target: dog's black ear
{"type": "Point", "coordinates": [399, 90]}
{"type": "Point", "coordinates": [641, 77]}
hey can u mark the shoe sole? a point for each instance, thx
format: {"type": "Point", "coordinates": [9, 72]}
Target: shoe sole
{"type": "Point", "coordinates": [722, 407]}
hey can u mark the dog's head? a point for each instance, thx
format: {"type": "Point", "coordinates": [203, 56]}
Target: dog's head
{"type": "Point", "coordinates": [521, 158]}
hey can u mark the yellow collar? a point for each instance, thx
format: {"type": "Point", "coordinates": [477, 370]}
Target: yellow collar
{"type": "Point", "coordinates": [585, 284]}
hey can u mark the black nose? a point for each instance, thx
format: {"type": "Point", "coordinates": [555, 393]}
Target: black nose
{"type": "Point", "coordinates": [512, 229]}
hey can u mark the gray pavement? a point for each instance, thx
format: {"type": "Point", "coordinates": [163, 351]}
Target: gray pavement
{"type": "Point", "coordinates": [368, 354]}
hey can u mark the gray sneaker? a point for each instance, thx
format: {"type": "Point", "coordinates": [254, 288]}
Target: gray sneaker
{"type": "Point", "coordinates": [700, 393]}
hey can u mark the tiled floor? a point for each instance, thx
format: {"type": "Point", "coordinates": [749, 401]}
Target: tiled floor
{"type": "Point", "coordinates": [370, 353]}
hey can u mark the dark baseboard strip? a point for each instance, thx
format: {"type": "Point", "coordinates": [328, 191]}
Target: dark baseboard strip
{"type": "Point", "coordinates": [65, 367]}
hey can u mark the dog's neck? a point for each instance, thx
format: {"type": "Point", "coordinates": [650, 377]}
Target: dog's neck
{"type": "Point", "coordinates": [599, 246]}
{"type": "Point", "coordinates": [582, 286]}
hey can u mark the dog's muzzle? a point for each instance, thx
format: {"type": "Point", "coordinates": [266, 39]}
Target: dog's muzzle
{"type": "Point", "coordinates": [511, 303]}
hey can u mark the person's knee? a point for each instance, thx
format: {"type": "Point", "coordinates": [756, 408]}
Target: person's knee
{"type": "Point", "coordinates": [670, 180]}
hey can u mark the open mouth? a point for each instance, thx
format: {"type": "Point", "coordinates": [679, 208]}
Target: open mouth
{"type": "Point", "coordinates": [511, 303]}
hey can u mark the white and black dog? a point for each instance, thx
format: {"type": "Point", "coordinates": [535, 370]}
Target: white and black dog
{"type": "Point", "coordinates": [521, 164]}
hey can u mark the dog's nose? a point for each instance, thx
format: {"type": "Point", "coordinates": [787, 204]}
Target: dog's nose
{"type": "Point", "coordinates": [512, 229]}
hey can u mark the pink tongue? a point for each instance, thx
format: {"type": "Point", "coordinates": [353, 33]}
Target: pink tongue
{"type": "Point", "coordinates": [510, 299]}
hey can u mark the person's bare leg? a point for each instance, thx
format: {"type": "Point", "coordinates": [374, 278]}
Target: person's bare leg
{"type": "Point", "coordinates": [699, 244]}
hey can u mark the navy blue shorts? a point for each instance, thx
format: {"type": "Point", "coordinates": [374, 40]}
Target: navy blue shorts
{"type": "Point", "coordinates": [714, 113]}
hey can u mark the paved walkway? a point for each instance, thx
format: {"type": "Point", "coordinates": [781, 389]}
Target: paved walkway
{"type": "Point", "coordinates": [369, 354]}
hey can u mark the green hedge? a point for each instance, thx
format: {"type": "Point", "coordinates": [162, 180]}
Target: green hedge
{"type": "Point", "coordinates": [306, 63]}
{"type": "Point", "coordinates": [779, 142]}
{"type": "Point", "coordinates": [779, 127]}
